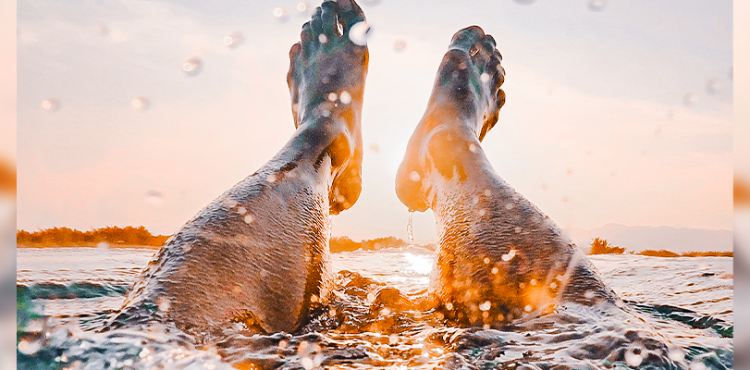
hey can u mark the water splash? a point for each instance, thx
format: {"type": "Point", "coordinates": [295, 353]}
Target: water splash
{"type": "Point", "coordinates": [410, 227]}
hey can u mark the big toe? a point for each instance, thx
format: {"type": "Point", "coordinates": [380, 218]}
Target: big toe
{"type": "Point", "coordinates": [349, 13]}
{"type": "Point", "coordinates": [466, 38]}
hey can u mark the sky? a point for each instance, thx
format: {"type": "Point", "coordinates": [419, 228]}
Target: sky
{"type": "Point", "coordinates": [614, 115]}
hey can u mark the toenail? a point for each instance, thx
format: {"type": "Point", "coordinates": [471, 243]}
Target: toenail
{"type": "Point", "coordinates": [474, 50]}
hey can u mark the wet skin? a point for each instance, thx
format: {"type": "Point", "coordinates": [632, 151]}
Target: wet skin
{"type": "Point", "coordinates": [499, 257]}
{"type": "Point", "coordinates": [258, 254]}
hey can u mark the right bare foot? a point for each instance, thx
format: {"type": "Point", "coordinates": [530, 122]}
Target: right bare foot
{"type": "Point", "coordinates": [326, 80]}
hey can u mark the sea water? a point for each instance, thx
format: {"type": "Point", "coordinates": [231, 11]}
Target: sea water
{"type": "Point", "coordinates": [676, 313]}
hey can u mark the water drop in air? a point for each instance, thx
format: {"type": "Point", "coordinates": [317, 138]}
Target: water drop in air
{"type": "Point", "coordinates": [51, 104]}
{"type": "Point", "coordinates": [303, 8]}
{"type": "Point", "coordinates": [155, 197]}
{"type": "Point", "coordinates": [359, 33]}
{"type": "Point", "coordinates": [597, 5]}
{"type": "Point", "coordinates": [375, 148]}
{"type": "Point", "coordinates": [713, 85]}
{"type": "Point", "coordinates": [323, 39]}
{"type": "Point", "coordinates": [370, 2]}
{"type": "Point", "coordinates": [102, 29]}
{"type": "Point", "coordinates": [345, 97]}
{"type": "Point", "coordinates": [525, 2]}
{"type": "Point", "coordinates": [281, 14]}
{"type": "Point", "coordinates": [399, 45]}
{"type": "Point", "coordinates": [192, 66]}
{"type": "Point", "coordinates": [233, 40]}
{"type": "Point", "coordinates": [690, 99]}
{"type": "Point", "coordinates": [140, 103]}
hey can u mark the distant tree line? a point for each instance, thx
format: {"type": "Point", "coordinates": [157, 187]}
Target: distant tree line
{"type": "Point", "coordinates": [602, 246]}
{"type": "Point", "coordinates": [64, 236]}
{"type": "Point", "coordinates": [344, 244]}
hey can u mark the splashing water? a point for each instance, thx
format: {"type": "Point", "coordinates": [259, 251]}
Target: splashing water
{"type": "Point", "coordinates": [376, 320]}
{"type": "Point", "coordinates": [410, 227]}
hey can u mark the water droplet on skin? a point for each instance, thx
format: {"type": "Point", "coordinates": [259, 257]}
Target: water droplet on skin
{"type": "Point", "coordinates": [475, 200]}
{"type": "Point", "coordinates": [484, 77]}
{"type": "Point", "coordinates": [140, 103]}
{"type": "Point", "coordinates": [163, 304]}
{"type": "Point", "coordinates": [589, 294]}
{"type": "Point", "coordinates": [318, 359]}
{"type": "Point", "coordinates": [249, 219]}
{"type": "Point", "coordinates": [532, 282]}
{"type": "Point", "coordinates": [517, 229]}
{"type": "Point", "coordinates": [690, 99]}
{"type": "Point", "coordinates": [509, 206]}
{"type": "Point", "coordinates": [399, 45]}
{"type": "Point", "coordinates": [482, 212]}
{"type": "Point", "coordinates": [698, 365]}
{"type": "Point", "coordinates": [414, 176]}
{"type": "Point", "coordinates": [241, 210]}
{"type": "Point", "coordinates": [102, 245]}
{"type": "Point", "coordinates": [192, 67]}
{"type": "Point", "coordinates": [509, 256]}
{"type": "Point", "coordinates": [487, 192]}
{"type": "Point", "coordinates": [713, 85]}
{"type": "Point", "coordinates": [449, 306]}
{"type": "Point", "coordinates": [323, 39]}
{"type": "Point", "coordinates": [485, 306]}
{"type": "Point", "coordinates": [51, 104]}
{"type": "Point", "coordinates": [271, 178]}
{"type": "Point", "coordinates": [676, 354]}
{"type": "Point", "coordinates": [307, 363]}
{"type": "Point", "coordinates": [332, 97]}
{"type": "Point", "coordinates": [528, 308]}
{"type": "Point", "coordinates": [359, 33]}
{"type": "Point", "coordinates": [345, 97]}
{"type": "Point", "coordinates": [325, 113]}
{"type": "Point", "coordinates": [154, 197]}
{"type": "Point", "coordinates": [472, 148]}
{"type": "Point", "coordinates": [229, 203]}
{"type": "Point", "coordinates": [486, 260]}
{"type": "Point", "coordinates": [495, 270]}
{"type": "Point", "coordinates": [385, 312]}
{"type": "Point", "coordinates": [280, 14]}
{"type": "Point", "coordinates": [633, 360]}
{"type": "Point", "coordinates": [597, 5]}
{"type": "Point", "coordinates": [553, 285]}
{"type": "Point", "coordinates": [393, 339]}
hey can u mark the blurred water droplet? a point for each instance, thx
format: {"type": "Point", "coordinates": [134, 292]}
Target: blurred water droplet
{"type": "Point", "coordinates": [102, 245]}
{"type": "Point", "coordinates": [525, 2]}
{"type": "Point", "coordinates": [632, 359]}
{"type": "Point", "coordinates": [318, 359]}
{"type": "Point", "coordinates": [359, 33]}
{"type": "Point", "coordinates": [102, 29]}
{"type": "Point", "coordinates": [375, 148]}
{"type": "Point", "coordinates": [713, 85]}
{"type": "Point", "coordinates": [370, 2]}
{"type": "Point", "coordinates": [323, 39]}
{"type": "Point", "coordinates": [345, 97]}
{"type": "Point", "coordinates": [192, 66]}
{"type": "Point", "coordinates": [508, 256]}
{"type": "Point", "coordinates": [29, 347]}
{"type": "Point", "coordinates": [249, 219]}
{"type": "Point", "coordinates": [399, 45]}
{"type": "Point", "coordinates": [484, 77]}
{"type": "Point", "coordinates": [553, 285]}
{"type": "Point", "coordinates": [393, 339]}
{"type": "Point", "coordinates": [690, 99]}
{"type": "Point", "coordinates": [449, 306]}
{"type": "Point", "coordinates": [528, 308]}
{"type": "Point", "coordinates": [233, 40]}
{"type": "Point", "coordinates": [597, 5]}
{"type": "Point", "coordinates": [472, 148]}
{"type": "Point", "coordinates": [486, 260]}
{"type": "Point", "coordinates": [51, 104]}
{"type": "Point", "coordinates": [303, 8]}
{"type": "Point", "coordinates": [414, 176]}
{"type": "Point", "coordinates": [281, 14]}
{"type": "Point", "coordinates": [307, 363]}
{"type": "Point", "coordinates": [155, 197]}
{"type": "Point", "coordinates": [140, 103]}
{"type": "Point", "coordinates": [332, 97]}
{"type": "Point", "coordinates": [676, 354]}
{"type": "Point", "coordinates": [485, 306]}
{"type": "Point", "coordinates": [495, 270]}
{"type": "Point", "coordinates": [482, 212]}
{"type": "Point", "coordinates": [517, 230]}
{"type": "Point", "coordinates": [509, 206]}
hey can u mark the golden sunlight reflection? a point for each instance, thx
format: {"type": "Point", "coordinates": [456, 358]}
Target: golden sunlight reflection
{"type": "Point", "coordinates": [419, 264]}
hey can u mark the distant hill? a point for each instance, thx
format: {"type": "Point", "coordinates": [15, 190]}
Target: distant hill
{"type": "Point", "coordinates": [639, 238]}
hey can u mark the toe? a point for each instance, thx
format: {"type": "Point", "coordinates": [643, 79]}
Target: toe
{"type": "Point", "coordinates": [349, 13]}
{"type": "Point", "coordinates": [328, 18]}
{"type": "Point", "coordinates": [316, 24]}
{"type": "Point", "coordinates": [306, 35]}
{"type": "Point", "coordinates": [467, 37]}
